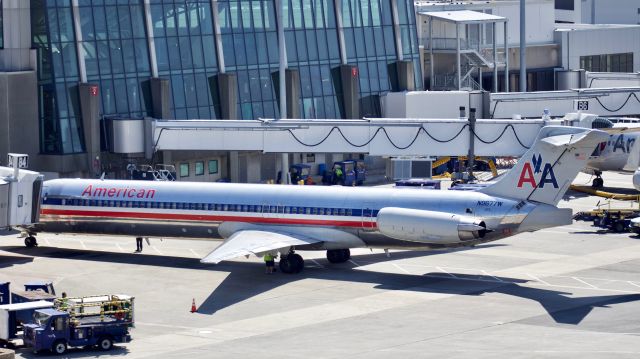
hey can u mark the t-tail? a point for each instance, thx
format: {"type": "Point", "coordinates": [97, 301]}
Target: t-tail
{"type": "Point", "coordinates": [546, 170]}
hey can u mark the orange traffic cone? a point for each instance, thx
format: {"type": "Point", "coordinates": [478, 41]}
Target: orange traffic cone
{"type": "Point", "coordinates": [193, 306]}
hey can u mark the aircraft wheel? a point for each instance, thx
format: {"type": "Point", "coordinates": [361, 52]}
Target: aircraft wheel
{"type": "Point", "coordinates": [285, 265]}
{"type": "Point", "coordinates": [598, 182]}
{"type": "Point", "coordinates": [291, 263]}
{"type": "Point", "coordinates": [338, 255]}
{"type": "Point", "coordinates": [297, 262]}
{"type": "Point", "coordinates": [346, 254]}
{"type": "Point", "coordinates": [332, 256]}
{"type": "Point", "coordinates": [31, 242]}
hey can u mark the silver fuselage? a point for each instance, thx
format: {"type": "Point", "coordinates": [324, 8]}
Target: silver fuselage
{"type": "Point", "coordinates": [184, 209]}
{"type": "Point", "coordinates": [613, 155]}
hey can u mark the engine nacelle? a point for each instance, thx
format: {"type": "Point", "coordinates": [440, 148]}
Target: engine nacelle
{"type": "Point", "coordinates": [428, 226]}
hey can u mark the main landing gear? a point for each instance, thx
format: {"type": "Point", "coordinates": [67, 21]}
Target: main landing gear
{"type": "Point", "coordinates": [597, 182]}
{"type": "Point", "coordinates": [338, 255]}
{"type": "Point", "coordinates": [30, 241]}
{"type": "Point", "coordinates": [291, 263]}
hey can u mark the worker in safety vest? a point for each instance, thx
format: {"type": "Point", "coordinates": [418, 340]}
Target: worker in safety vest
{"type": "Point", "coordinates": [64, 301]}
{"type": "Point", "coordinates": [338, 175]}
{"type": "Point", "coordinates": [270, 263]}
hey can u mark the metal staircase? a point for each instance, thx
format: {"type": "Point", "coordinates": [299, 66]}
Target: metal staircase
{"type": "Point", "coordinates": [473, 59]}
{"type": "Point", "coordinates": [477, 59]}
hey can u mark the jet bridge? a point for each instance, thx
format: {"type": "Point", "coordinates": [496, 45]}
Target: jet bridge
{"type": "Point", "coordinates": [19, 193]}
{"type": "Point", "coordinates": [376, 137]}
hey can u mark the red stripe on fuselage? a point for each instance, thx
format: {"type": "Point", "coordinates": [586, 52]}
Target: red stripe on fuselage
{"type": "Point", "coordinates": [208, 218]}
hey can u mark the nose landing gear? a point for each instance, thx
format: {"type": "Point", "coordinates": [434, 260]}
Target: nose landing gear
{"type": "Point", "coordinates": [30, 241]}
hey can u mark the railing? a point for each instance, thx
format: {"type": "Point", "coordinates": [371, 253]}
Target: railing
{"type": "Point", "coordinates": [470, 84]}
{"type": "Point", "coordinates": [445, 82]}
{"type": "Point", "coordinates": [486, 50]}
{"type": "Point", "coordinates": [487, 53]}
{"type": "Point", "coordinates": [445, 43]}
{"type": "Point", "coordinates": [450, 82]}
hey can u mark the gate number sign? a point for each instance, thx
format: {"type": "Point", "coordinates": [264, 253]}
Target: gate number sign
{"type": "Point", "coordinates": [582, 105]}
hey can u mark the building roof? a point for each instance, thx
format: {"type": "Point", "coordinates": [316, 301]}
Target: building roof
{"type": "Point", "coordinates": [464, 16]}
{"type": "Point", "coordinates": [586, 27]}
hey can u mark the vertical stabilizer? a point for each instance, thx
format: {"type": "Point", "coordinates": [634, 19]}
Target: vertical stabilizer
{"type": "Point", "coordinates": [546, 170]}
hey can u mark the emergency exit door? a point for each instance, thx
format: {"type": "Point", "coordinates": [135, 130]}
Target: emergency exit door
{"type": "Point", "coordinates": [368, 218]}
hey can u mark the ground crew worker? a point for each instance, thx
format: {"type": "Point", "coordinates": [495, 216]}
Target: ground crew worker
{"type": "Point", "coordinates": [139, 244]}
{"type": "Point", "coordinates": [294, 176]}
{"type": "Point", "coordinates": [269, 262]}
{"type": "Point", "coordinates": [337, 171]}
{"type": "Point", "coordinates": [64, 301]}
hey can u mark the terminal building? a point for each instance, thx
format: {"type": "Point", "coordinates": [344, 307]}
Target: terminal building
{"type": "Point", "coordinates": [598, 12]}
{"type": "Point", "coordinates": [70, 70]}
{"type": "Point", "coordinates": [69, 65]}
{"type": "Point", "coordinates": [553, 44]}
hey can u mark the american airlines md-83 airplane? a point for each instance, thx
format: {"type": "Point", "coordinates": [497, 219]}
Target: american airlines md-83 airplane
{"type": "Point", "coordinates": [258, 219]}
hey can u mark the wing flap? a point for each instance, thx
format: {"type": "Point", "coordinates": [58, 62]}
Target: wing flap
{"type": "Point", "coordinates": [246, 242]}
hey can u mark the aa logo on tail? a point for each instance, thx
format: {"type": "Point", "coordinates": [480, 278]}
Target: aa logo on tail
{"type": "Point", "coordinates": [532, 168]}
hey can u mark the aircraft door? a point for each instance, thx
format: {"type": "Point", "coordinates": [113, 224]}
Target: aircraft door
{"type": "Point", "coordinates": [368, 217]}
{"type": "Point", "coordinates": [266, 210]}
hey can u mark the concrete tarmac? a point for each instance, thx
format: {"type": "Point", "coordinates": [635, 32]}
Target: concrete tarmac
{"type": "Point", "coordinates": [571, 291]}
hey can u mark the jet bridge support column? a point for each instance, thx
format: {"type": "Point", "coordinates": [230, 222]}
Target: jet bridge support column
{"type": "Point", "coordinates": [226, 86]}
{"type": "Point", "coordinates": [160, 97]}
{"type": "Point", "coordinates": [472, 139]}
{"type": "Point", "coordinates": [406, 80]}
{"type": "Point", "coordinates": [89, 110]}
{"type": "Point", "coordinates": [350, 91]}
{"type": "Point", "coordinates": [292, 86]}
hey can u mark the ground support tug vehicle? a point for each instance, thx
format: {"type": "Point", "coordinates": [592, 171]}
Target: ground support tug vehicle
{"type": "Point", "coordinates": [17, 308]}
{"type": "Point", "coordinates": [81, 322]}
{"type": "Point", "coordinates": [616, 220]}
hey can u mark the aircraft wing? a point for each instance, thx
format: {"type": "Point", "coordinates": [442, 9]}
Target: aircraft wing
{"type": "Point", "coordinates": [246, 242]}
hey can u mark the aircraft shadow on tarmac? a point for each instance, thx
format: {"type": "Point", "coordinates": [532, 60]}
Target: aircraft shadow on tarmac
{"type": "Point", "coordinates": [562, 308]}
{"type": "Point", "coordinates": [247, 279]}
{"type": "Point", "coordinates": [606, 231]}
{"type": "Point", "coordinates": [8, 261]}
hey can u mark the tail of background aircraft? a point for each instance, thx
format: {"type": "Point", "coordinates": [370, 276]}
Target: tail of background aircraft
{"type": "Point", "coordinates": [546, 170]}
